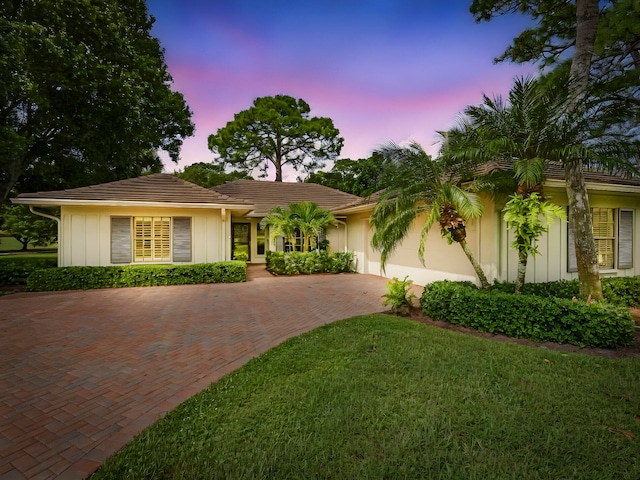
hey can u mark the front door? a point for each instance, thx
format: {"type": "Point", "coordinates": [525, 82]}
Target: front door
{"type": "Point", "coordinates": [241, 241]}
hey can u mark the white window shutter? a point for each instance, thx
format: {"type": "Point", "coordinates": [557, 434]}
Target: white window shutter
{"type": "Point", "coordinates": [625, 238]}
{"type": "Point", "coordinates": [572, 262]}
{"type": "Point", "coordinates": [181, 239]}
{"type": "Point", "coordinates": [120, 239]}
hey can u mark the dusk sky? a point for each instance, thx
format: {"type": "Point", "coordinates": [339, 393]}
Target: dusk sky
{"type": "Point", "coordinates": [380, 69]}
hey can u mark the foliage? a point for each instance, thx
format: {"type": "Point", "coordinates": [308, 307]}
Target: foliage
{"type": "Point", "coordinates": [276, 131]}
{"type": "Point", "coordinates": [27, 227]}
{"type": "Point", "coordinates": [208, 175]}
{"type": "Point", "coordinates": [360, 177]}
{"type": "Point", "coordinates": [241, 256]}
{"type": "Point", "coordinates": [399, 294]}
{"type": "Point", "coordinates": [86, 278]}
{"type": "Point", "coordinates": [595, 45]}
{"type": "Point", "coordinates": [14, 269]}
{"type": "Point", "coordinates": [525, 316]}
{"type": "Point", "coordinates": [378, 397]}
{"type": "Point", "coordinates": [622, 291]}
{"type": "Point", "coordinates": [299, 263]}
{"type": "Point", "coordinates": [85, 95]}
{"type": "Point", "coordinates": [417, 186]}
{"type": "Point", "coordinates": [307, 218]}
{"type": "Point", "coordinates": [528, 218]}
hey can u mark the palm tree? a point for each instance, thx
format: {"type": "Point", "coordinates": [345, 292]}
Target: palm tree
{"type": "Point", "coordinates": [307, 218]}
{"type": "Point", "coordinates": [310, 219]}
{"type": "Point", "coordinates": [529, 130]}
{"type": "Point", "coordinates": [281, 222]}
{"type": "Point", "coordinates": [417, 186]}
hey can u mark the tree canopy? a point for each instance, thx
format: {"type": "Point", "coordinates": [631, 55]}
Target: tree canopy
{"type": "Point", "coordinates": [276, 131]}
{"type": "Point", "coordinates": [598, 45]}
{"type": "Point", "coordinates": [209, 174]}
{"type": "Point", "coordinates": [360, 177]}
{"type": "Point", "coordinates": [85, 95]}
{"type": "Point", "coordinates": [26, 227]}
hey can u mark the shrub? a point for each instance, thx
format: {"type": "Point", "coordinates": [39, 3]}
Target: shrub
{"type": "Point", "coordinates": [528, 316]}
{"type": "Point", "coordinates": [14, 269]}
{"type": "Point", "coordinates": [297, 263]}
{"type": "Point", "coordinates": [617, 290]}
{"type": "Point", "coordinates": [398, 294]}
{"type": "Point", "coordinates": [84, 278]}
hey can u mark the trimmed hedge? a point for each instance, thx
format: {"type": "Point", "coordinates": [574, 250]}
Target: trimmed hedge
{"type": "Point", "coordinates": [527, 316]}
{"type": "Point", "coordinates": [15, 269]}
{"type": "Point", "coordinates": [297, 263]}
{"type": "Point", "coordinates": [617, 290]}
{"type": "Point", "coordinates": [85, 278]}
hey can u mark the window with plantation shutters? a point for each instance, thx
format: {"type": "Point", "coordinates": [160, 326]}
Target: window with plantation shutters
{"type": "Point", "coordinates": [181, 239]}
{"type": "Point", "coordinates": [120, 239]}
{"type": "Point", "coordinates": [604, 235]}
{"type": "Point", "coordinates": [613, 235]}
{"type": "Point", "coordinates": [152, 239]}
{"type": "Point", "coordinates": [625, 238]}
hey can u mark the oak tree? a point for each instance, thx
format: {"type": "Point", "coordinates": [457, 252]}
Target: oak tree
{"type": "Point", "coordinates": [85, 95]}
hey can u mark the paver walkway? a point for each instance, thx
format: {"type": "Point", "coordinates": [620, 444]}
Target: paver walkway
{"type": "Point", "coordinates": [82, 372]}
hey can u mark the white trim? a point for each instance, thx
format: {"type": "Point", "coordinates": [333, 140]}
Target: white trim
{"type": "Point", "coordinates": [119, 203]}
{"type": "Point", "coordinates": [606, 187]}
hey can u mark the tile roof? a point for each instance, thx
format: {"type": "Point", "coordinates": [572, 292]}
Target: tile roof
{"type": "Point", "coordinates": [266, 195]}
{"type": "Point", "coordinates": [156, 188]}
{"type": "Point", "coordinates": [555, 171]}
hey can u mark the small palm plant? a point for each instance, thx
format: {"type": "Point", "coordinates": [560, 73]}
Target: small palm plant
{"type": "Point", "coordinates": [305, 217]}
{"type": "Point", "coordinates": [399, 294]}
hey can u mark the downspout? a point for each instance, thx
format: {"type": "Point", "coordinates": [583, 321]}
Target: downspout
{"type": "Point", "coordinates": [57, 220]}
{"type": "Point", "coordinates": [223, 214]}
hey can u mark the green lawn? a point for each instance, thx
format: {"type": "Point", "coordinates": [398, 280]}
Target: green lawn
{"type": "Point", "coordinates": [383, 397]}
{"type": "Point", "coordinates": [10, 244]}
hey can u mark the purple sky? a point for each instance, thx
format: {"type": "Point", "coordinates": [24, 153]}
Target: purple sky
{"type": "Point", "coordinates": [380, 69]}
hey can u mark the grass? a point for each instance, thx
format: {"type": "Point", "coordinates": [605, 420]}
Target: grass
{"type": "Point", "coordinates": [11, 245]}
{"type": "Point", "coordinates": [383, 397]}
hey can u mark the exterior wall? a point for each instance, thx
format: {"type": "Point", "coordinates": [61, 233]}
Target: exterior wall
{"type": "Point", "coordinates": [85, 237]}
{"type": "Point", "coordinates": [551, 264]}
{"type": "Point", "coordinates": [490, 241]}
{"type": "Point", "coordinates": [442, 261]}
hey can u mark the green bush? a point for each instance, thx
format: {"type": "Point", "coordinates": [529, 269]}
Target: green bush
{"type": "Point", "coordinates": [14, 269]}
{"type": "Point", "coordinates": [299, 263]}
{"type": "Point", "coordinates": [528, 316]}
{"type": "Point", "coordinates": [617, 290]}
{"type": "Point", "coordinates": [398, 294]}
{"type": "Point", "coordinates": [85, 278]}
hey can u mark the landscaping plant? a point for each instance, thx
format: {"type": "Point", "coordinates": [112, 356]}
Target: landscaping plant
{"type": "Point", "coordinates": [399, 294]}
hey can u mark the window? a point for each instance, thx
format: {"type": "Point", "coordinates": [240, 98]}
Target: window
{"type": "Point", "coordinates": [603, 233]}
{"type": "Point", "coordinates": [150, 239]}
{"type": "Point", "coordinates": [260, 238]}
{"type": "Point", "coordinates": [613, 235]}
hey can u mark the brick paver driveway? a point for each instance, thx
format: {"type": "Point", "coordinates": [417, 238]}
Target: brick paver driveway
{"type": "Point", "coordinates": [83, 372]}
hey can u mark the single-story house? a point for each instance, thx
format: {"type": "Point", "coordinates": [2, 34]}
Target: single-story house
{"type": "Point", "coordinates": [161, 218]}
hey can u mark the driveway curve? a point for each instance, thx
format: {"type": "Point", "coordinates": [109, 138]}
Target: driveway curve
{"type": "Point", "coordinates": [82, 372]}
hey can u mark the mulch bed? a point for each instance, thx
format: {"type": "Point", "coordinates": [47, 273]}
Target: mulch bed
{"type": "Point", "coordinates": [632, 351]}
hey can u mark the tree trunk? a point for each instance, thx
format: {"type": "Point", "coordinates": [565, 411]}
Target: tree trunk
{"type": "Point", "coordinates": [522, 270]}
{"type": "Point", "coordinates": [587, 13]}
{"type": "Point", "coordinates": [484, 283]}
{"type": "Point", "coordinates": [582, 225]}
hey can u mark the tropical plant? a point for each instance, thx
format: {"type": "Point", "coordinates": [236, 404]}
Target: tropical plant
{"type": "Point", "coordinates": [417, 186]}
{"type": "Point", "coordinates": [306, 218]}
{"type": "Point", "coordinates": [528, 217]}
{"type": "Point", "coordinates": [602, 41]}
{"type": "Point", "coordinates": [526, 132]}
{"type": "Point", "coordinates": [399, 294]}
